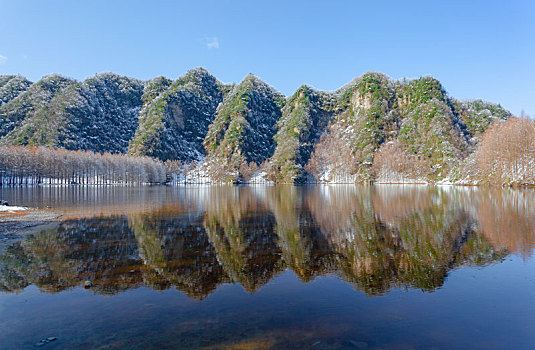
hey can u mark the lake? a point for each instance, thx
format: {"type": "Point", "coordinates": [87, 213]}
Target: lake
{"type": "Point", "coordinates": [272, 267]}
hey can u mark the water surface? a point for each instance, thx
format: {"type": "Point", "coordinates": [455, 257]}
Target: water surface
{"type": "Point", "coordinates": [258, 267]}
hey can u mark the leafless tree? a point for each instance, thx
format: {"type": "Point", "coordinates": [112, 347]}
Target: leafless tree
{"type": "Point", "coordinates": [20, 165]}
{"type": "Point", "coordinates": [506, 153]}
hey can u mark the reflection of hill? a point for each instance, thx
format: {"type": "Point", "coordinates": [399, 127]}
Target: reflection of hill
{"type": "Point", "coordinates": [304, 249]}
{"type": "Point", "coordinates": [175, 252]}
{"type": "Point", "coordinates": [241, 230]}
{"type": "Point", "coordinates": [374, 238]}
{"type": "Point", "coordinates": [422, 238]}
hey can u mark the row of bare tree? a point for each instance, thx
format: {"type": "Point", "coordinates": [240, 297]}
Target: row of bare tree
{"type": "Point", "coordinates": [42, 165]}
{"type": "Point", "coordinates": [21, 165]}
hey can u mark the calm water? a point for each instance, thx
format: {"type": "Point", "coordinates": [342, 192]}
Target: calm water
{"type": "Point", "coordinates": [323, 267]}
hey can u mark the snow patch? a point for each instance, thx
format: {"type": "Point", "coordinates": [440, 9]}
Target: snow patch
{"type": "Point", "coordinates": [10, 208]}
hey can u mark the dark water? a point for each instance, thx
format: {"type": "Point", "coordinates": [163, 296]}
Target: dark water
{"type": "Point", "coordinates": [325, 267]}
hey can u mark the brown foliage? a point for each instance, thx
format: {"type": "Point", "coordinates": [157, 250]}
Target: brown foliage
{"type": "Point", "coordinates": [506, 154]}
{"type": "Point", "coordinates": [393, 164]}
{"type": "Point", "coordinates": [247, 171]}
{"type": "Point", "coordinates": [507, 219]}
{"type": "Point", "coordinates": [333, 154]}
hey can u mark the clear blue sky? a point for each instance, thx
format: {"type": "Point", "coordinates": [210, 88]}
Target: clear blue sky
{"type": "Point", "coordinates": [477, 49]}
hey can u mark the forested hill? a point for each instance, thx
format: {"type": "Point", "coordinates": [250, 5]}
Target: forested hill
{"type": "Point", "coordinates": [373, 128]}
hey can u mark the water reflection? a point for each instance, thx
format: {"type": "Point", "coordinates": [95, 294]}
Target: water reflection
{"type": "Point", "coordinates": [374, 238]}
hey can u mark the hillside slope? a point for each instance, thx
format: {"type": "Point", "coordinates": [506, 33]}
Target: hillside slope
{"type": "Point", "coordinates": [29, 102]}
{"type": "Point", "coordinates": [431, 131]}
{"type": "Point", "coordinates": [11, 86]}
{"type": "Point", "coordinates": [244, 127]}
{"type": "Point", "coordinates": [99, 114]}
{"type": "Point", "coordinates": [175, 117]}
{"type": "Point", "coordinates": [304, 119]}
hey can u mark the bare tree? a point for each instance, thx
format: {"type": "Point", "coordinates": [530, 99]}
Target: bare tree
{"type": "Point", "coordinates": [392, 163]}
{"type": "Point", "coordinates": [506, 153]}
{"type": "Point", "coordinates": [20, 165]}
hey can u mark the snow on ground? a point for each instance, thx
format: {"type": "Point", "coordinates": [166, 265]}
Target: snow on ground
{"type": "Point", "coordinates": [10, 208]}
{"type": "Point", "coordinates": [394, 177]}
{"type": "Point", "coordinates": [260, 177]}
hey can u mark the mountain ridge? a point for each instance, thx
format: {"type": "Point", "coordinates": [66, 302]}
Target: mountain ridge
{"type": "Point", "coordinates": [239, 130]}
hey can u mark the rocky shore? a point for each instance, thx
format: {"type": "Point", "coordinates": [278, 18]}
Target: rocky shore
{"type": "Point", "coordinates": [16, 222]}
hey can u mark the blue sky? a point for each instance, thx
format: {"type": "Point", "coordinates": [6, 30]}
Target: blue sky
{"type": "Point", "coordinates": [477, 49]}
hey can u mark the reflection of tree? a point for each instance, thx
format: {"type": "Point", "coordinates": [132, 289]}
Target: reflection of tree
{"type": "Point", "coordinates": [176, 252]}
{"type": "Point", "coordinates": [478, 251]}
{"type": "Point", "coordinates": [331, 206]}
{"type": "Point", "coordinates": [507, 218]}
{"type": "Point", "coordinates": [394, 203]}
{"type": "Point", "coordinates": [14, 267]}
{"type": "Point", "coordinates": [364, 247]}
{"type": "Point", "coordinates": [102, 250]}
{"type": "Point", "coordinates": [241, 231]}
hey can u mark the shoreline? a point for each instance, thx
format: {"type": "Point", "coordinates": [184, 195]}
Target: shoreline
{"type": "Point", "coordinates": [269, 183]}
{"type": "Point", "coordinates": [15, 224]}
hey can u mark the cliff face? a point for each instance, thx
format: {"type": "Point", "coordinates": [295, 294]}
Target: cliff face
{"type": "Point", "coordinates": [304, 119]}
{"type": "Point", "coordinates": [238, 129]}
{"type": "Point", "coordinates": [244, 127]}
{"type": "Point", "coordinates": [365, 118]}
{"type": "Point", "coordinates": [415, 115]}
